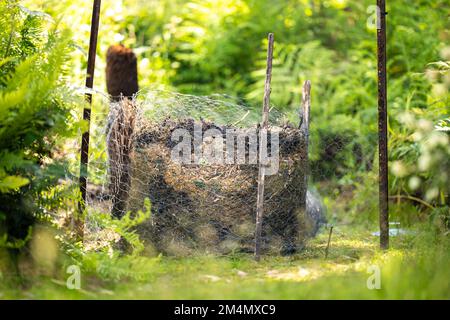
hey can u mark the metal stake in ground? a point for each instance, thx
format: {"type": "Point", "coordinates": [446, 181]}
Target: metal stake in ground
{"type": "Point", "coordinates": [382, 126]}
{"type": "Point", "coordinates": [262, 169]}
{"type": "Point", "coordinates": [79, 221]}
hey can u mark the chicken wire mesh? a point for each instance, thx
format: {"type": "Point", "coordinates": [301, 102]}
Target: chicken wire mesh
{"type": "Point", "coordinates": [200, 205]}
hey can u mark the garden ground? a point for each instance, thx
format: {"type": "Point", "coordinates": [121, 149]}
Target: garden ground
{"type": "Point", "coordinates": [416, 267]}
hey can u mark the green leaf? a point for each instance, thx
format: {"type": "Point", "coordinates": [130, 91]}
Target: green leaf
{"type": "Point", "coordinates": [12, 183]}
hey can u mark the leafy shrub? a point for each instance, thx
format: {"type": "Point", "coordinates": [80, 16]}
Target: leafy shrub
{"type": "Point", "coordinates": [108, 259]}
{"type": "Point", "coordinates": [35, 116]}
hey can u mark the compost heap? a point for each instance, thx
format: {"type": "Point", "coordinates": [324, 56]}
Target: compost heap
{"type": "Point", "coordinates": [204, 207]}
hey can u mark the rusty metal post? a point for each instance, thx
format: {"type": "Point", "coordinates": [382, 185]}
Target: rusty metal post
{"type": "Point", "coordinates": [262, 130]}
{"type": "Point", "coordinates": [382, 126]}
{"type": "Point", "coordinates": [84, 158]}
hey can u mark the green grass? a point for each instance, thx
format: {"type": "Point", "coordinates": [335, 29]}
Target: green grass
{"type": "Point", "coordinates": [416, 267]}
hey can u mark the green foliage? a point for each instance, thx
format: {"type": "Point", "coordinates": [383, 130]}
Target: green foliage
{"type": "Point", "coordinates": [420, 167]}
{"type": "Point", "coordinates": [126, 225]}
{"type": "Point", "coordinates": [108, 260]}
{"type": "Point", "coordinates": [35, 116]}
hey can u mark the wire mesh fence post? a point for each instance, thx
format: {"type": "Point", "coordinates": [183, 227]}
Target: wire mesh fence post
{"type": "Point", "coordinates": [261, 171]}
{"type": "Point", "coordinates": [84, 153]}
{"type": "Point", "coordinates": [304, 126]}
{"type": "Point", "coordinates": [382, 126]}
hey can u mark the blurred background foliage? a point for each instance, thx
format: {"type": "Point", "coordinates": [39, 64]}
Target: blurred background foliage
{"type": "Point", "coordinates": [205, 47]}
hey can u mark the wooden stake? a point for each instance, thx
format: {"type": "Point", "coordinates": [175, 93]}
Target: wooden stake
{"type": "Point", "coordinates": [84, 158]}
{"type": "Point", "coordinates": [304, 126]}
{"type": "Point", "coordinates": [382, 126]}
{"type": "Point", "coordinates": [306, 105]}
{"type": "Point", "coordinates": [261, 166]}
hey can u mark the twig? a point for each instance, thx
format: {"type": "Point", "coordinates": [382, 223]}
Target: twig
{"type": "Point", "coordinates": [241, 119]}
{"type": "Point", "coordinates": [261, 166]}
{"type": "Point", "coordinates": [426, 204]}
